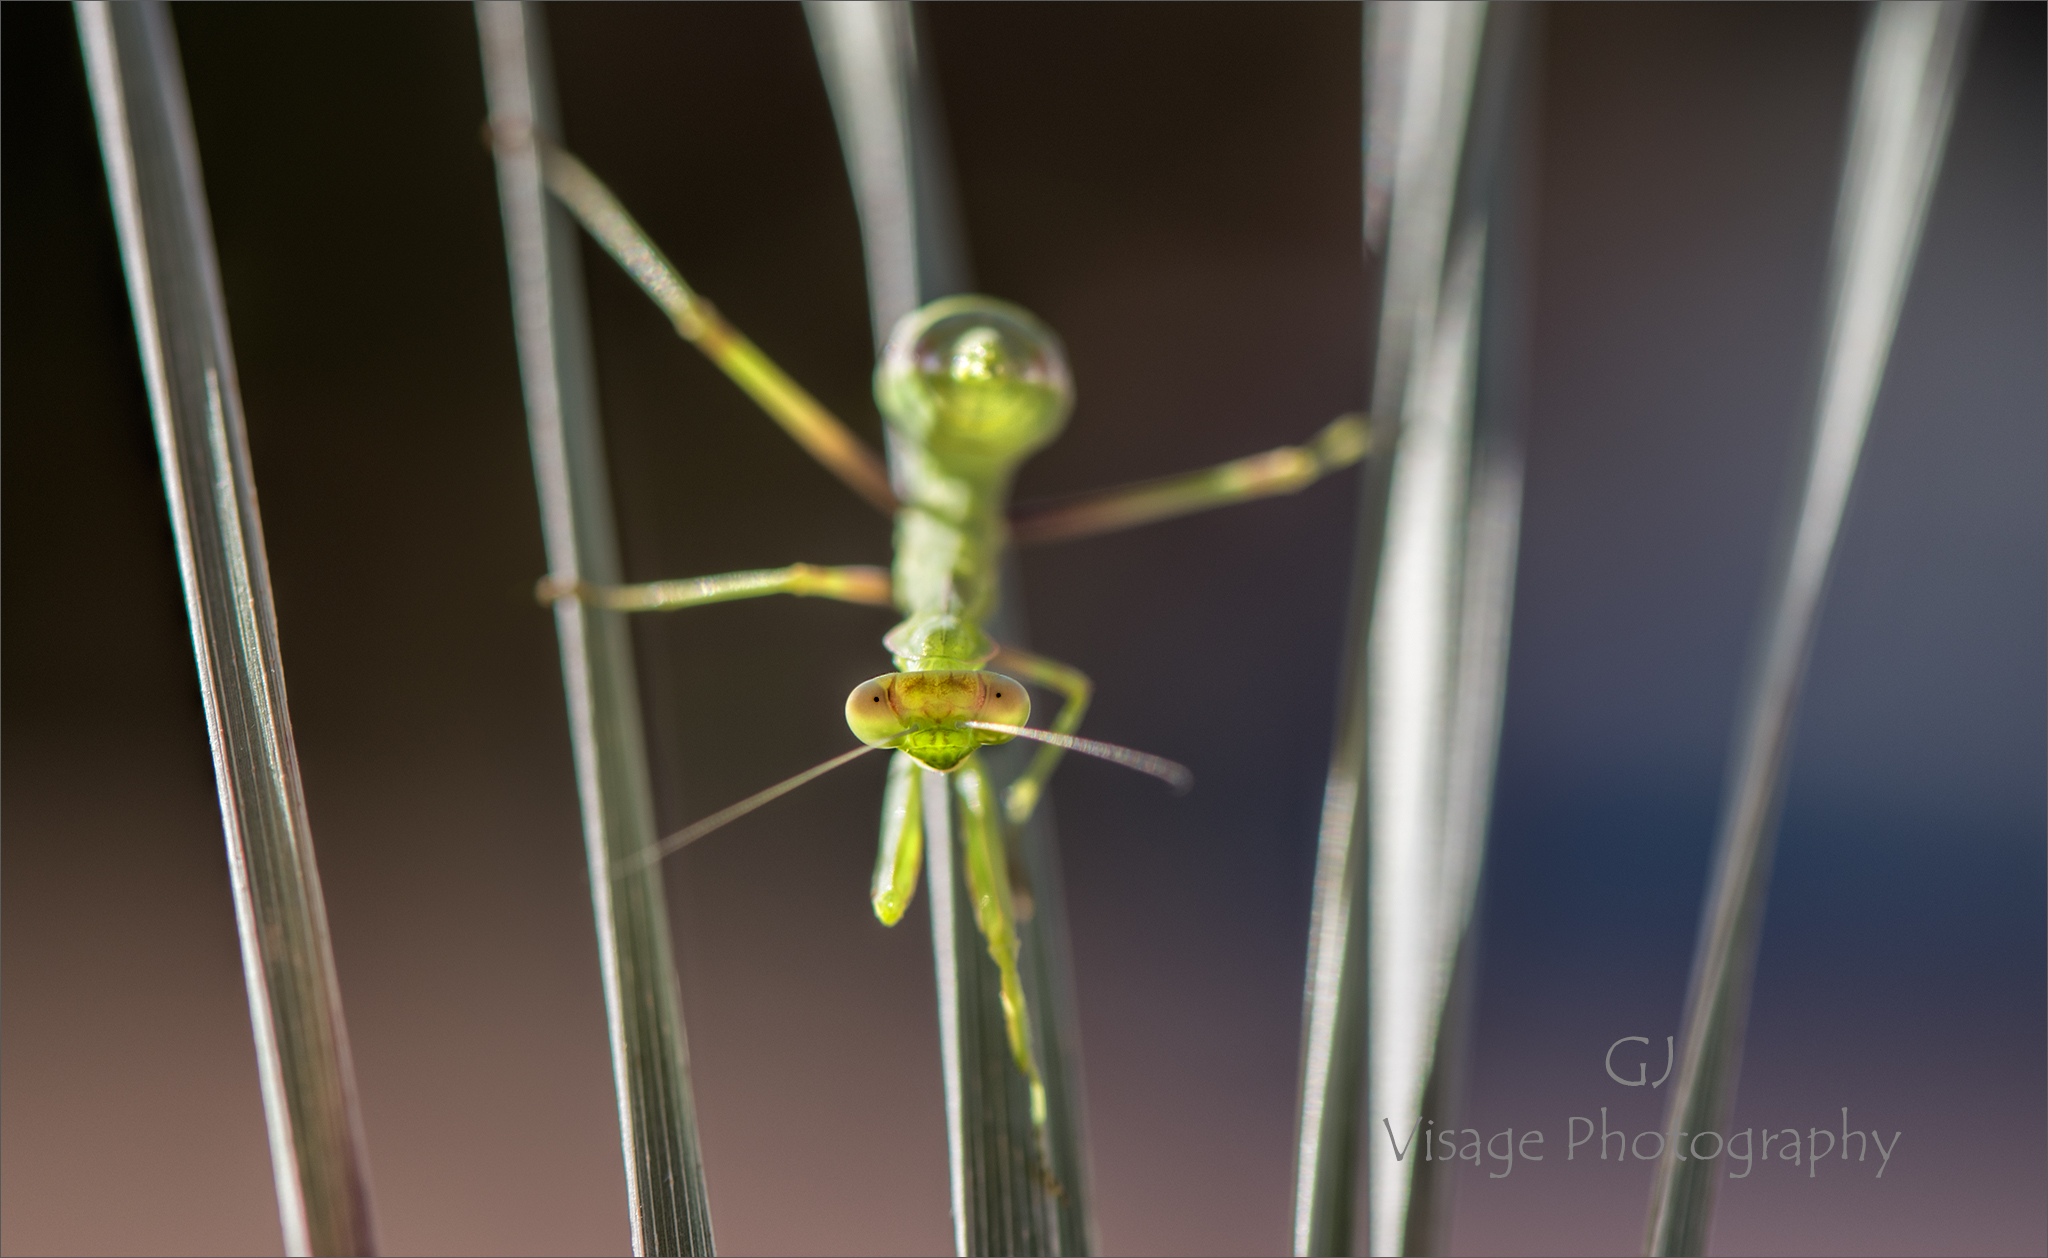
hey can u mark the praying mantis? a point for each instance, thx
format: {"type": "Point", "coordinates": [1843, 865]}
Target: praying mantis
{"type": "Point", "coordinates": [969, 387]}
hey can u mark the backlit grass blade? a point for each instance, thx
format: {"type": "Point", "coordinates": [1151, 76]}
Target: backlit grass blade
{"type": "Point", "coordinates": [1906, 80]}
{"type": "Point", "coordinates": [1411, 778]}
{"type": "Point", "coordinates": [667, 1210]}
{"type": "Point", "coordinates": [1480, 501]}
{"type": "Point", "coordinates": [167, 254]}
{"type": "Point", "coordinates": [890, 128]}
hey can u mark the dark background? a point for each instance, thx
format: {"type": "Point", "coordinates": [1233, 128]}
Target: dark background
{"type": "Point", "coordinates": [1177, 190]}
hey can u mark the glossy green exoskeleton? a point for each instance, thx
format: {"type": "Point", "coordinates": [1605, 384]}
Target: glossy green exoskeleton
{"type": "Point", "coordinates": [969, 387]}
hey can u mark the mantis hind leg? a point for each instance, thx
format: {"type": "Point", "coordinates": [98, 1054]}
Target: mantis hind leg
{"type": "Point", "coordinates": [988, 884]}
{"type": "Point", "coordinates": [1289, 469]}
{"type": "Point", "coordinates": [816, 429]}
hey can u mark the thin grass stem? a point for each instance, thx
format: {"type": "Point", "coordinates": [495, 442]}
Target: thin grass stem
{"type": "Point", "coordinates": [1907, 75]}
{"type": "Point", "coordinates": [890, 128]}
{"type": "Point", "coordinates": [1411, 779]}
{"type": "Point", "coordinates": [667, 1209]}
{"type": "Point", "coordinates": [167, 254]}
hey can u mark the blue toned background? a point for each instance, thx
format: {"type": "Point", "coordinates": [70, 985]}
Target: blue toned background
{"type": "Point", "coordinates": [1176, 189]}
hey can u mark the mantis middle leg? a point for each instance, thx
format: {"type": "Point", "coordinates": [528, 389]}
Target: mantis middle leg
{"type": "Point", "coordinates": [857, 583]}
{"type": "Point", "coordinates": [1074, 686]}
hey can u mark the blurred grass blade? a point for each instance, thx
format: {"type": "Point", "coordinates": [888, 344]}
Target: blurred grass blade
{"type": "Point", "coordinates": [302, 1058]}
{"type": "Point", "coordinates": [1906, 81]}
{"type": "Point", "coordinates": [892, 133]}
{"type": "Point", "coordinates": [1477, 505]}
{"type": "Point", "coordinates": [891, 130]}
{"type": "Point", "coordinates": [1411, 777]}
{"type": "Point", "coordinates": [668, 1213]}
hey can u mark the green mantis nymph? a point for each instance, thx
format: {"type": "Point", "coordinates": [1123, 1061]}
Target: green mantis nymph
{"type": "Point", "coordinates": [969, 387]}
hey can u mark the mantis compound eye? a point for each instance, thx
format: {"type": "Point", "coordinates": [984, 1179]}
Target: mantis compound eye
{"type": "Point", "coordinates": [871, 712]}
{"type": "Point", "coordinates": [1004, 702]}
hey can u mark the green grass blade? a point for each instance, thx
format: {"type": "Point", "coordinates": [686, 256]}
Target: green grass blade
{"type": "Point", "coordinates": [668, 1212]}
{"type": "Point", "coordinates": [167, 253]}
{"type": "Point", "coordinates": [1906, 81]}
{"type": "Point", "coordinates": [891, 131]}
{"type": "Point", "coordinates": [1411, 779]}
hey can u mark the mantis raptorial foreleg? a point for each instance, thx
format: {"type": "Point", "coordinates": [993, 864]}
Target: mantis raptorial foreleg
{"type": "Point", "coordinates": [816, 429]}
{"type": "Point", "coordinates": [1074, 686]}
{"type": "Point", "coordinates": [1289, 469]}
{"type": "Point", "coordinates": [858, 583]}
{"type": "Point", "coordinates": [902, 851]}
{"type": "Point", "coordinates": [988, 885]}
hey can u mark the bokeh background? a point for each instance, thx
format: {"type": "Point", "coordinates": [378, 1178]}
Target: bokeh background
{"type": "Point", "coordinates": [1176, 189]}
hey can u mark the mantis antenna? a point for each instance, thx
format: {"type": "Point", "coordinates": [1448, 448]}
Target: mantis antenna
{"type": "Point", "coordinates": [1174, 774]}
{"type": "Point", "coordinates": [691, 833]}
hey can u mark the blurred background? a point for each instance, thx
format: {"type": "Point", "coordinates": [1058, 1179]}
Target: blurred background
{"type": "Point", "coordinates": [1177, 191]}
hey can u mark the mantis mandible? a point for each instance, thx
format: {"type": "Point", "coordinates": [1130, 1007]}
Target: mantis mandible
{"type": "Point", "coordinates": [969, 387]}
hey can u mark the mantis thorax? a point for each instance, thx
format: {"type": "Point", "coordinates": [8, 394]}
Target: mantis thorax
{"type": "Point", "coordinates": [940, 641]}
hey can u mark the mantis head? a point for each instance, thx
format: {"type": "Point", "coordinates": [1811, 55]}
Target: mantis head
{"type": "Point", "coordinates": [927, 714]}
{"type": "Point", "coordinates": [976, 380]}
{"type": "Point", "coordinates": [937, 717]}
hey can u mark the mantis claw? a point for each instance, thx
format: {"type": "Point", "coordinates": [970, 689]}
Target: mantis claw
{"type": "Point", "coordinates": [552, 589]}
{"type": "Point", "coordinates": [1020, 800]}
